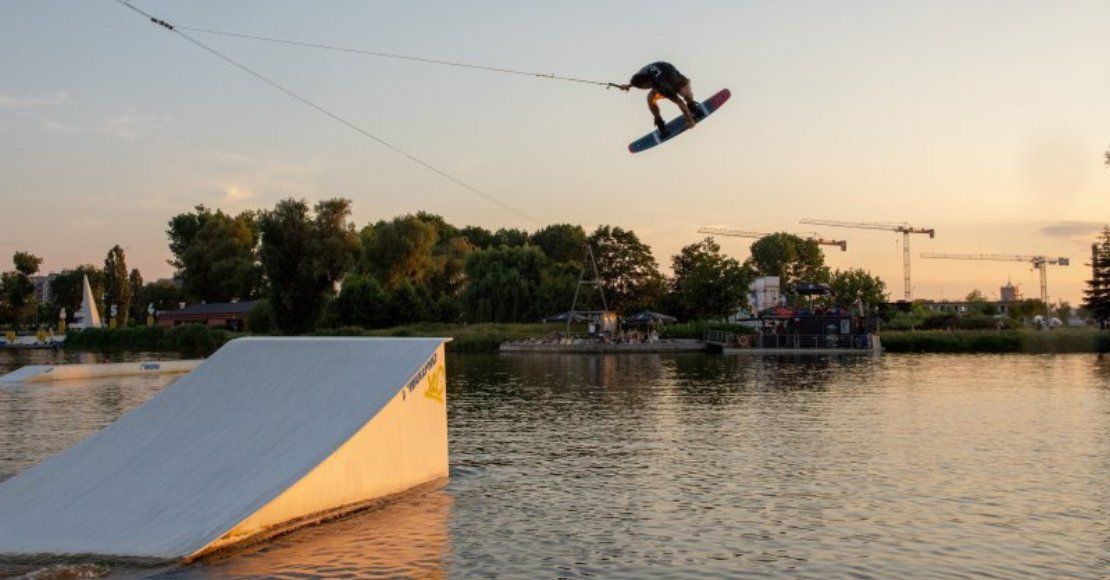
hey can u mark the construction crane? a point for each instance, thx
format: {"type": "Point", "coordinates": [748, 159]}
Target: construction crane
{"type": "Point", "coordinates": [904, 229]}
{"type": "Point", "coordinates": [1039, 263]}
{"type": "Point", "coordinates": [842, 244]}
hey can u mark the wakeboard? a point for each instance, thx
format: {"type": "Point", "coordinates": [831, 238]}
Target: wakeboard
{"type": "Point", "coordinates": [677, 126]}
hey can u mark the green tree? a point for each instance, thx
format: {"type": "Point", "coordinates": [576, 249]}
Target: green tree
{"type": "Point", "coordinates": [362, 302]}
{"type": "Point", "coordinates": [857, 285]}
{"type": "Point", "coordinates": [561, 242]}
{"type": "Point", "coordinates": [1063, 311]}
{"type": "Point", "coordinates": [163, 294]}
{"type": "Point", "coordinates": [215, 254]}
{"type": "Point", "coordinates": [708, 284]}
{"type": "Point", "coordinates": [117, 283]}
{"type": "Point", "coordinates": [510, 237]}
{"type": "Point", "coordinates": [399, 249]}
{"type": "Point", "coordinates": [409, 303]}
{"type": "Point", "coordinates": [67, 287]}
{"type": "Point", "coordinates": [138, 309]}
{"type": "Point", "coordinates": [628, 271]}
{"type": "Point", "coordinates": [504, 283]}
{"type": "Point", "coordinates": [789, 257]}
{"type": "Point", "coordinates": [1028, 308]}
{"type": "Point", "coordinates": [558, 284]}
{"type": "Point", "coordinates": [479, 237]}
{"type": "Point", "coordinates": [422, 249]}
{"type": "Point", "coordinates": [1096, 297]}
{"type": "Point", "coordinates": [18, 290]}
{"type": "Point", "coordinates": [304, 254]}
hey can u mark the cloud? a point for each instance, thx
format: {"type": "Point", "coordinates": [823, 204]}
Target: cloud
{"type": "Point", "coordinates": [59, 127]}
{"type": "Point", "coordinates": [1072, 229]}
{"type": "Point", "coordinates": [21, 102]}
{"type": "Point", "coordinates": [134, 125]}
{"type": "Point", "coordinates": [235, 194]}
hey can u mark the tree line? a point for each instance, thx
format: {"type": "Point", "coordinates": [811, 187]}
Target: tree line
{"type": "Point", "coordinates": [313, 267]}
{"type": "Point", "coordinates": [309, 267]}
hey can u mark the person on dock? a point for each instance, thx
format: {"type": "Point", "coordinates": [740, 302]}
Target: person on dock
{"type": "Point", "coordinates": [663, 81]}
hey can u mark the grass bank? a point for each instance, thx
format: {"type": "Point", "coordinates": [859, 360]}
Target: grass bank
{"type": "Point", "coordinates": [187, 339]}
{"type": "Point", "coordinates": [1061, 340]}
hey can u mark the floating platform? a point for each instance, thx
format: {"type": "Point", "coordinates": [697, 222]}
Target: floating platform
{"type": "Point", "coordinates": [45, 373]}
{"type": "Point", "coordinates": [679, 345]}
{"type": "Point", "coordinates": [266, 435]}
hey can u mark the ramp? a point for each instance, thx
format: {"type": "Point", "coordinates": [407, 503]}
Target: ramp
{"type": "Point", "coordinates": [266, 433]}
{"type": "Point", "coordinates": [46, 373]}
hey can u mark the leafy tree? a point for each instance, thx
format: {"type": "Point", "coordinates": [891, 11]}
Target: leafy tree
{"type": "Point", "coordinates": [789, 257]}
{"type": "Point", "coordinates": [117, 283]}
{"type": "Point", "coordinates": [422, 249]}
{"type": "Point", "coordinates": [362, 302]}
{"type": "Point", "coordinates": [400, 249]}
{"type": "Point", "coordinates": [857, 285]}
{"type": "Point", "coordinates": [1096, 297]}
{"type": "Point", "coordinates": [504, 284]}
{"type": "Point", "coordinates": [1063, 311]}
{"type": "Point", "coordinates": [138, 309]}
{"type": "Point", "coordinates": [561, 242]}
{"type": "Point", "coordinates": [408, 303]}
{"type": "Point", "coordinates": [67, 287]}
{"type": "Point", "coordinates": [555, 293]}
{"type": "Point", "coordinates": [707, 283]}
{"type": "Point", "coordinates": [163, 294]}
{"type": "Point", "coordinates": [449, 272]}
{"type": "Point", "coordinates": [215, 254]}
{"type": "Point", "coordinates": [629, 273]}
{"type": "Point", "coordinates": [1027, 308]}
{"type": "Point", "coordinates": [17, 289]}
{"type": "Point", "coordinates": [479, 237]}
{"type": "Point", "coordinates": [304, 254]}
{"type": "Point", "coordinates": [978, 303]}
{"type": "Point", "coordinates": [510, 237]}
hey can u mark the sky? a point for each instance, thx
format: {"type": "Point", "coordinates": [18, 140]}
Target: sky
{"type": "Point", "coordinates": [986, 120]}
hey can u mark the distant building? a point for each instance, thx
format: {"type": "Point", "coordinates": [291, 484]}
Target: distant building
{"type": "Point", "coordinates": [229, 315]}
{"type": "Point", "coordinates": [764, 292]}
{"type": "Point", "coordinates": [43, 285]}
{"type": "Point", "coordinates": [1009, 292]}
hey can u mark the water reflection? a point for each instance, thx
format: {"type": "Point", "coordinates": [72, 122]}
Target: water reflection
{"type": "Point", "coordinates": [406, 539]}
{"type": "Point", "coordinates": [687, 464]}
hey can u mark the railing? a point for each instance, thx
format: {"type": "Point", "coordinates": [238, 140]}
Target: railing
{"type": "Point", "coordinates": [788, 340]}
{"type": "Point", "coordinates": [804, 341]}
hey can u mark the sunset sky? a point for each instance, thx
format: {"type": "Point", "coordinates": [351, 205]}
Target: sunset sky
{"type": "Point", "coordinates": [986, 120]}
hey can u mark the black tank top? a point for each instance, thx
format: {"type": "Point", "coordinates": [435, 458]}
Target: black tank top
{"type": "Point", "coordinates": [664, 78]}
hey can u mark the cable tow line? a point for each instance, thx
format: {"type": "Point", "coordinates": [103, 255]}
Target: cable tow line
{"type": "Point", "coordinates": [426, 165]}
{"type": "Point", "coordinates": [551, 76]}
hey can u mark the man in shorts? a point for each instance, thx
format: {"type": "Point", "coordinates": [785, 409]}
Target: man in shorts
{"type": "Point", "coordinates": [665, 82]}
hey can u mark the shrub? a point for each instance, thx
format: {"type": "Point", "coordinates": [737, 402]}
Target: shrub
{"type": "Point", "coordinates": [260, 320]}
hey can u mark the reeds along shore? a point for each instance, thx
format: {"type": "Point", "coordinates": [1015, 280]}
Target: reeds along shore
{"type": "Point", "coordinates": [199, 340]}
{"type": "Point", "coordinates": [1067, 340]}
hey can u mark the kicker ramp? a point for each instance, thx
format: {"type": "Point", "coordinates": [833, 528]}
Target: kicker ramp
{"type": "Point", "coordinates": [265, 434]}
{"type": "Point", "coordinates": [46, 373]}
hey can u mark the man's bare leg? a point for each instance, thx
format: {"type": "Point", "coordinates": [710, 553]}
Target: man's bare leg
{"type": "Point", "coordinates": [687, 95]}
{"type": "Point", "coordinates": [653, 105]}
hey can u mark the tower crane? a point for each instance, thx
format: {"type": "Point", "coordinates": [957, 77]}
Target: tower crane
{"type": "Point", "coordinates": [903, 228]}
{"type": "Point", "coordinates": [1039, 263]}
{"type": "Point", "coordinates": [842, 244]}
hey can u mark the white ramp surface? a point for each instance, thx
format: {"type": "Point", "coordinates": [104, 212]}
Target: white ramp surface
{"type": "Point", "coordinates": [234, 448]}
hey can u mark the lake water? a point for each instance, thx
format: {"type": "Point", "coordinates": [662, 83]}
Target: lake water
{"type": "Point", "coordinates": [698, 465]}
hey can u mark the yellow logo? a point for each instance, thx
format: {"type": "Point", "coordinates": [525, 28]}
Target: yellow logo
{"type": "Point", "coordinates": [437, 385]}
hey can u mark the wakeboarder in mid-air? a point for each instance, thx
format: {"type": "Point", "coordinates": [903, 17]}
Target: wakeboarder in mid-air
{"type": "Point", "coordinates": [664, 81]}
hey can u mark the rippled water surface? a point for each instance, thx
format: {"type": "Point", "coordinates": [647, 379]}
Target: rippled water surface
{"type": "Point", "coordinates": [698, 465]}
